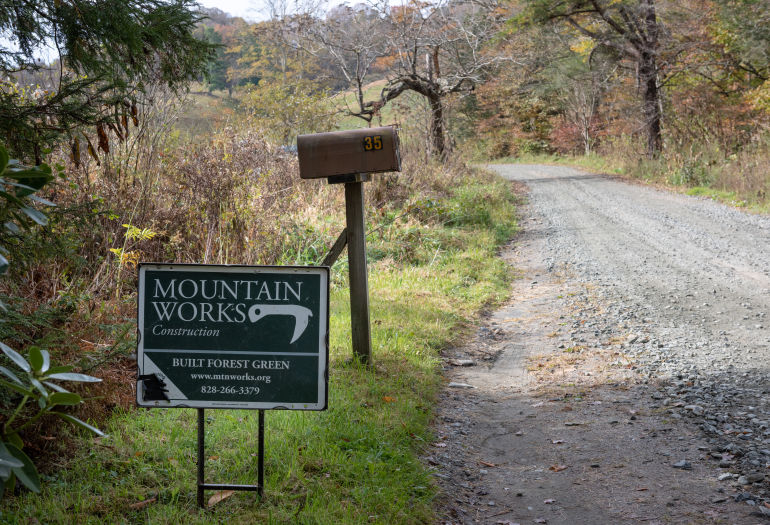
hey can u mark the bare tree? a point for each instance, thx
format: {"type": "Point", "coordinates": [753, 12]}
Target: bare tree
{"type": "Point", "coordinates": [438, 50]}
{"type": "Point", "coordinates": [434, 49]}
{"type": "Point", "coordinates": [352, 38]}
{"type": "Point", "coordinates": [581, 86]}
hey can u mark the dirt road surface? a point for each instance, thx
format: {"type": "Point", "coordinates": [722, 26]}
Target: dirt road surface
{"type": "Point", "coordinates": [627, 379]}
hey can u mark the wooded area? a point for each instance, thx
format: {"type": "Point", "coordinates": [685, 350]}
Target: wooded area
{"type": "Point", "coordinates": [151, 130]}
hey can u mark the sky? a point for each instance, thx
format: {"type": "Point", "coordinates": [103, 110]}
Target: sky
{"type": "Point", "coordinates": [251, 10]}
{"type": "Point", "coordinates": [256, 10]}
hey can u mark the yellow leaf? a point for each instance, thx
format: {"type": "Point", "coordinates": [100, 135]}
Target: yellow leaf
{"type": "Point", "coordinates": [219, 496]}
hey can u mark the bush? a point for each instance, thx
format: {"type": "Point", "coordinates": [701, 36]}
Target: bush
{"type": "Point", "coordinates": [36, 384]}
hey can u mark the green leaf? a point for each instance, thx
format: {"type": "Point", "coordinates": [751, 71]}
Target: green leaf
{"type": "Point", "coordinates": [64, 398]}
{"type": "Point", "coordinates": [35, 358]}
{"type": "Point", "coordinates": [10, 483]}
{"type": "Point", "coordinates": [15, 357]}
{"type": "Point", "coordinates": [79, 422]}
{"type": "Point", "coordinates": [5, 473]}
{"type": "Point", "coordinates": [37, 384]}
{"type": "Point", "coordinates": [46, 361]}
{"type": "Point", "coordinates": [7, 459]}
{"type": "Point", "coordinates": [41, 200]}
{"type": "Point", "coordinates": [59, 369]}
{"type": "Point", "coordinates": [27, 473]}
{"type": "Point", "coordinates": [19, 172]}
{"type": "Point", "coordinates": [74, 377]}
{"type": "Point", "coordinates": [37, 216]}
{"type": "Point", "coordinates": [10, 375]}
{"type": "Point", "coordinates": [54, 386]}
{"type": "Point", "coordinates": [27, 189]}
{"type": "Point", "coordinates": [14, 439]}
{"type": "Point", "coordinates": [17, 388]}
{"type": "Point", "coordinates": [11, 198]}
{"type": "Point", "coordinates": [12, 227]}
{"type": "Point", "coordinates": [4, 264]}
{"type": "Point", "coordinates": [4, 158]}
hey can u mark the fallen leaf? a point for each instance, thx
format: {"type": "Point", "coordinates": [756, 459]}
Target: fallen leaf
{"type": "Point", "coordinates": [142, 504]}
{"type": "Point", "coordinates": [213, 458]}
{"type": "Point", "coordinates": [138, 453]}
{"type": "Point", "coordinates": [389, 399]}
{"type": "Point", "coordinates": [219, 496]}
{"type": "Point", "coordinates": [549, 501]}
{"type": "Point", "coordinates": [766, 504]}
{"type": "Point", "coordinates": [557, 468]}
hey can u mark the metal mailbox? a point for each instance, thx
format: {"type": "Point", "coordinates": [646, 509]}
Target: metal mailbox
{"type": "Point", "coordinates": [369, 150]}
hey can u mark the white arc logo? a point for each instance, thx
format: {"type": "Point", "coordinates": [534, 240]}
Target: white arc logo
{"type": "Point", "coordinates": [301, 315]}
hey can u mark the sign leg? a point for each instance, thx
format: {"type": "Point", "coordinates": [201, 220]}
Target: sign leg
{"type": "Point", "coordinates": [261, 454]}
{"type": "Point", "coordinates": [201, 459]}
{"type": "Point", "coordinates": [359, 284]}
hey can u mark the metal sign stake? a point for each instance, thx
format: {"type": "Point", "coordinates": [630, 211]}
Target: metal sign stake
{"type": "Point", "coordinates": [203, 486]}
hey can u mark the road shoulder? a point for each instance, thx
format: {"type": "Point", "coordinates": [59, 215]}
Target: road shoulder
{"type": "Point", "coordinates": [552, 423]}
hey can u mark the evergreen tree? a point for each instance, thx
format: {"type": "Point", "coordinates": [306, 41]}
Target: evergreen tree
{"type": "Point", "coordinates": [88, 61]}
{"type": "Point", "coordinates": [216, 72]}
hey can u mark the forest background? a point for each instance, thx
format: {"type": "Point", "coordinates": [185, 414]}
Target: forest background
{"type": "Point", "coordinates": [177, 143]}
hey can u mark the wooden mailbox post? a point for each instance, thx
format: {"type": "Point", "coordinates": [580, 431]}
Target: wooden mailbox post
{"type": "Point", "coordinates": [348, 157]}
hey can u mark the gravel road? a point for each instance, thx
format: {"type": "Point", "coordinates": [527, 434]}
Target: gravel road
{"type": "Point", "coordinates": [661, 299]}
{"type": "Point", "coordinates": [690, 273]}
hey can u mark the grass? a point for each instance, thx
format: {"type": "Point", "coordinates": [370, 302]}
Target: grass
{"type": "Point", "coordinates": [432, 270]}
{"type": "Point", "coordinates": [391, 113]}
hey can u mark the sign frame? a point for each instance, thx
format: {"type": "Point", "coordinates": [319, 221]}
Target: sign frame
{"type": "Point", "coordinates": [148, 371]}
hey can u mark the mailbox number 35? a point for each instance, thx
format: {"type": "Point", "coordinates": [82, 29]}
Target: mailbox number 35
{"type": "Point", "coordinates": [373, 143]}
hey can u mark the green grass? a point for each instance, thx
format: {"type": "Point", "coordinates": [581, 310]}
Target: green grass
{"type": "Point", "coordinates": [431, 272]}
{"type": "Point", "coordinates": [731, 198]}
{"type": "Point", "coordinates": [391, 113]}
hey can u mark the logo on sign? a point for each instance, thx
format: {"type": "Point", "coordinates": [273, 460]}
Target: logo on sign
{"type": "Point", "coordinates": [301, 316]}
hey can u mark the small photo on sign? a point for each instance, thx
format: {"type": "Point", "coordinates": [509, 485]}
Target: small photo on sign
{"type": "Point", "coordinates": [213, 336]}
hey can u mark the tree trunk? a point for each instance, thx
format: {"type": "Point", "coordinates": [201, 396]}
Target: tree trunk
{"type": "Point", "coordinates": [648, 73]}
{"type": "Point", "coordinates": [437, 138]}
{"type": "Point", "coordinates": [651, 103]}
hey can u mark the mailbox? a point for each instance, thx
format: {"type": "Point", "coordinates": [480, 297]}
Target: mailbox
{"type": "Point", "coordinates": [370, 150]}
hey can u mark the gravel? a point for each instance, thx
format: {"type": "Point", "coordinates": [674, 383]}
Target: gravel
{"type": "Point", "coordinates": [685, 286]}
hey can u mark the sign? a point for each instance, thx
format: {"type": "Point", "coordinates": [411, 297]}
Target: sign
{"type": "Point", "coordinates": [214, 336]}
{"type": "Point", "coordinates": [368, 150]}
